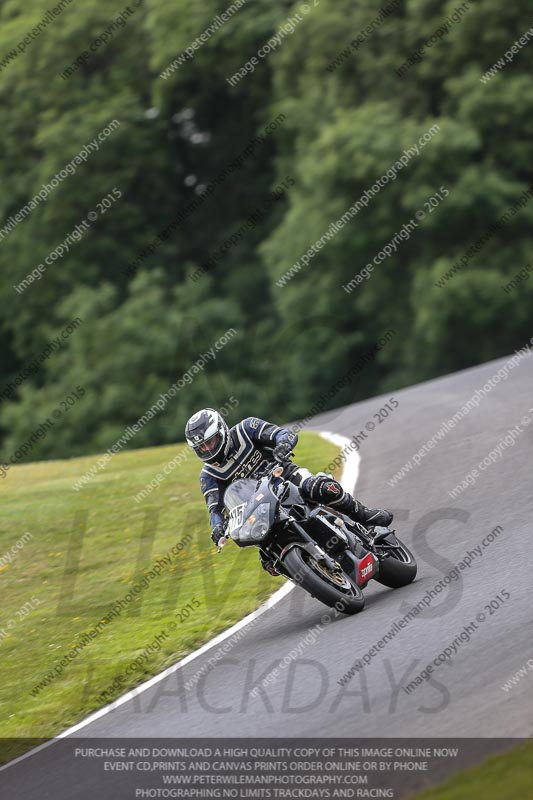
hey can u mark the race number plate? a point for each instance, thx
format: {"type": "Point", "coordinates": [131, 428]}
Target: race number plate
{"type": "Point", "coordinates": [236, 517]}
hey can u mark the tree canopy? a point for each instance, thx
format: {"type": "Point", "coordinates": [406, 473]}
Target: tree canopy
{"type": "Point", "coordinates": [199, 196]}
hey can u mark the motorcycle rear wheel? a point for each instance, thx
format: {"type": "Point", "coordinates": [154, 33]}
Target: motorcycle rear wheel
{"type": "Point", "coordinates": [398, 568]}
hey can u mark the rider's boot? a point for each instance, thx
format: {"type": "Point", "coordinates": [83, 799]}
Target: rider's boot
{"type": "Point", "coordinates": [329, 492]}
{"type": "Point", "coordinates": [268, 564]}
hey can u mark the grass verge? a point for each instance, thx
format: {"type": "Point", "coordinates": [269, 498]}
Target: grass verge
{"type": "Point", "coordinates": [508, 776]}
{"type": "Point", "coordinates": [88, 548]}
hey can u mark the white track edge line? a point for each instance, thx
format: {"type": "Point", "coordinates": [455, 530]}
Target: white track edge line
{"type": "Point", "coordinates": [348, 480]}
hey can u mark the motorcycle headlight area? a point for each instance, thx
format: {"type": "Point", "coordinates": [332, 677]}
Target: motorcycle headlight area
{"type": "Point", "coordinates": [257, 524]}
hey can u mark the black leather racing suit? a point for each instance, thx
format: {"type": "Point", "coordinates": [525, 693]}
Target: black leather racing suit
{"type": "Point", "coordinates": [249, 456]}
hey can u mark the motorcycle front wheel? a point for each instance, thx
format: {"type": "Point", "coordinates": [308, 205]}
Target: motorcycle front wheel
{"type": "Point", "coordinates": [331, 589]}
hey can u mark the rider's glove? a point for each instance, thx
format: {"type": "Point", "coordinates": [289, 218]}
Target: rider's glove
{"type": "Point", "coordinates": [281, 451]}
{"type": "Point", "coordinates": [217, 533]}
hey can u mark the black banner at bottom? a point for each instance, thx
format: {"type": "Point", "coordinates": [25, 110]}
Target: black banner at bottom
{"type": "Point", "coordinates": [131, 769]}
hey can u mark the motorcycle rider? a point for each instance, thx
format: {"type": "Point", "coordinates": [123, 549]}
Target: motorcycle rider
{"type": "Point", "coordinates": [247, 451]}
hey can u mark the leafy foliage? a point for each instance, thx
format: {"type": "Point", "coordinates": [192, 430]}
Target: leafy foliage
{"type": "Point", "coordinates": [341, 130]}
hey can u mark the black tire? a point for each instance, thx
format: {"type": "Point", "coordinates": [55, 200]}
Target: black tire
{"type": "Point", "coordinates": [399, 567]}
{"type": "Point", "coordinates": [296, 564]}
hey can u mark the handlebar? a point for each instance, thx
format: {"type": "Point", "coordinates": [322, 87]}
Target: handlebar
{"type": "Point", "coordinates": [277, 464]}
{"type": "Point", "coordinates": [285, 460]}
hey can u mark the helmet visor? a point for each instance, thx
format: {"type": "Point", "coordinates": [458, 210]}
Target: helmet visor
{"type": "Point", "coordinates": [210, 445]}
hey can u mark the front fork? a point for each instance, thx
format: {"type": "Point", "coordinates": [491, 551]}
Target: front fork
{"type": "Point", "coordinates": [310, 546]}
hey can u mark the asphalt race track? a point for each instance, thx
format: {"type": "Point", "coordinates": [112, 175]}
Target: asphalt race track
{"type": "Point", "coordinates": [463, 696]}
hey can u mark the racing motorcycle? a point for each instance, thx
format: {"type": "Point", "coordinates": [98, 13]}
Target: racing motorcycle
{"type": "Point", "coordinates": [323, 551]}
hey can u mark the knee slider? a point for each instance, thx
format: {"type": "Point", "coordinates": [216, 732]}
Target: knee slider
{"type": "Point", "coordinates": [326, 489]}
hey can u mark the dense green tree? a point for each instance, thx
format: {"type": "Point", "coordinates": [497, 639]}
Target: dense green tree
{"type": "Point", "coordinates": [196, 243]}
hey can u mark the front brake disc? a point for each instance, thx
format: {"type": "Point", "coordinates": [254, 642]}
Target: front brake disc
{"type": "Point", "coordinates": [337, 577]}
